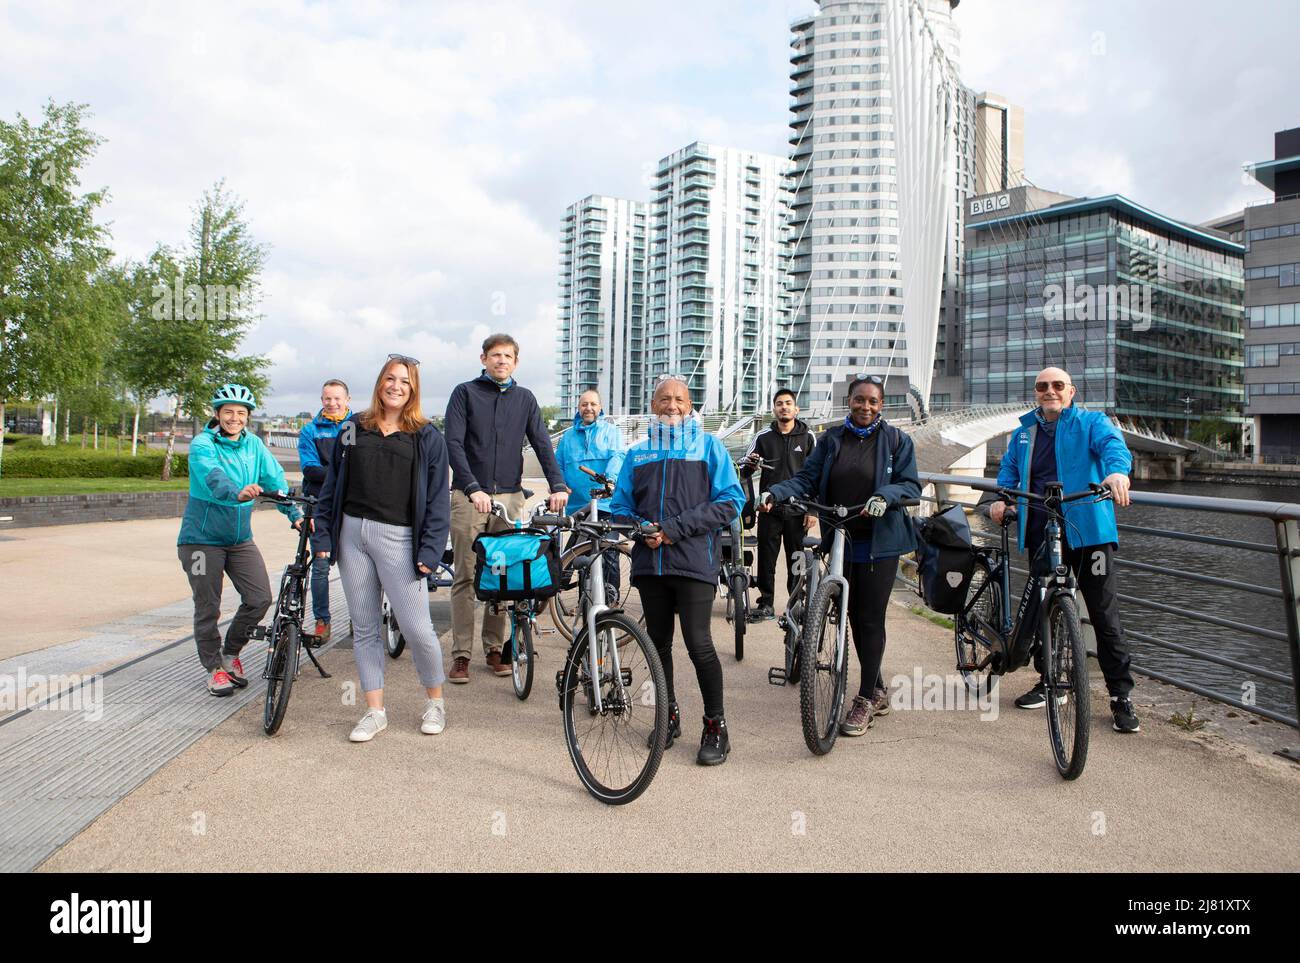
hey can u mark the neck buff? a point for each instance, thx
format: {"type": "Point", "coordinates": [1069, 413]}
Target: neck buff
{"type": "Point", "coordinates": [866, 432]}
{"type": "Point", "coordinates": [1043, 423]}
{"type": "Point", "coordinates": [334, 418]}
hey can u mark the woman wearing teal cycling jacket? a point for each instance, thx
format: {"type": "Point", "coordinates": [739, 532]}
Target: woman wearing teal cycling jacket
{"type": "Point", "coordinates": [229, 468]}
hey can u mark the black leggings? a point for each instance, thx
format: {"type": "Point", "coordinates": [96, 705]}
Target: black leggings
{"type": "Point", "coordinates": [691, 600]}
{"type": "Point", "coordinates": [870, 585]}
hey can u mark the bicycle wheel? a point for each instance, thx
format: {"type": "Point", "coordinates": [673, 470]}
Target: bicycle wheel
{"type": "Point", "coordinates": [974, 661]}
{"type": "Point", "coordinates": [740, 598]}
{"type": "Point", "coordinates": [281, 670]}
{"type": "Point", "coordinates": [521, 658]}
{"type": "Point", "coordinates": [821, 681]}
{"type": "Point", "coordinates": [394, 641]}
{"type": "Point", "coordinates": [565, 606]}
{"type": "Point", "coordinates": [616, 750]}
{"type": "Point", "coordinates": [1068, 709]}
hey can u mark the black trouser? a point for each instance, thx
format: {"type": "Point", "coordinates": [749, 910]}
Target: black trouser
{"type": "Point", "coordinates": [870, 585]}
{"type": "Point", "coordinates": [775, 528]}
{"type": "Point", "coordinates": [691, 600]}
{"type": "Point", "coordinates": [1093, 566]}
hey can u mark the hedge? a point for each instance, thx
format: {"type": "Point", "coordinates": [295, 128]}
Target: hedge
{"type": "Point", "coordinates": [31, 464]}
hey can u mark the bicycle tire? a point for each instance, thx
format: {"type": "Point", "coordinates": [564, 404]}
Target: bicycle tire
{"type": "Point", "coordinates": [394, 640]}
{"type": "Point", "coordinates": [282, 660]}
{"type": "Point", "coordinates": [1068, 704]}
{"type": "Point", "coordinates": [822, 681]}
{"type": "Point", "coordinates": [740, 595]}
{"type": "Point", "coordinates": [563, 606]}
{"type": "Point", "coordinates": [642, 668]}
{"type": "Point", "coordinates": [970, 651]}
{"type": "Point", "coordinates": [522, 658]}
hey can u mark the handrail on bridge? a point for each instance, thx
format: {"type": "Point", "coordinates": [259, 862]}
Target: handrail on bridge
{"type": "Point", "coordinates": [1285, 517]}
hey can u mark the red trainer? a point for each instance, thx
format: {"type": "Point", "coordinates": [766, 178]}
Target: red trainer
{"type": "Point", "coordinates": [220, 684]}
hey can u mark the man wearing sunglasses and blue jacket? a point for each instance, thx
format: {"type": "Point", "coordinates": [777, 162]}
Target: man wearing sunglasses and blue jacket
{"type": "Point", "coordinates": [1060, 442]}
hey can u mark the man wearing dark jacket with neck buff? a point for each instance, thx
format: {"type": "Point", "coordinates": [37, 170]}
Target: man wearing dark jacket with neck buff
{"type": "Point", "coordinates": [487, 422]}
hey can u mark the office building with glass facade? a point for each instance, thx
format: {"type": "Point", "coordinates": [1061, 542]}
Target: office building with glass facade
{"type": "Point", "coordinates": [600, 342]}
{"type": "Point", "coordinates": [1271, 233]}
{"type": "Point", "coordinates": [1145, 312]}
{"type": "Point", "coordinates": [718, 311]}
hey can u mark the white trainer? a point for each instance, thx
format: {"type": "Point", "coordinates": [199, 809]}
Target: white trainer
{"type": "Point", "coordinates": [372, 724]}
{"type": "Point", "coordinates": [434, 719]}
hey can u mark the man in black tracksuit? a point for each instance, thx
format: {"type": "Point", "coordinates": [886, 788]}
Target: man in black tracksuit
{"type": "Point", "coordinates": [488, 420]}
{"type": "Point", "coordinates": [780, 452]}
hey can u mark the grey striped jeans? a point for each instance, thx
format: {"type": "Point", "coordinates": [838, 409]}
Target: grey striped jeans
{"type": "Point", "coordinates": [375, 558]}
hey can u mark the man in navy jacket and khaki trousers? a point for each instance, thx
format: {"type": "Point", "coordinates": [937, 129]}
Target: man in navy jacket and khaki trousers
{"type": "Point", "coordinates": [487, 421]}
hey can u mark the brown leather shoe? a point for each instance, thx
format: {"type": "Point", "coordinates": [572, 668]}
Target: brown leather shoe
{"type": "Point", "coordinates": [459, 673]}
{"type": "Point", "coordinates": [496, 665]}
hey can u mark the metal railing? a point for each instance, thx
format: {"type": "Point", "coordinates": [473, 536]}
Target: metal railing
{"type": "Point", "coordinates": [1285, 519]}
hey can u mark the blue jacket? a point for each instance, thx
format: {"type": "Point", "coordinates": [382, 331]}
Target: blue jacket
{"type": "Point", "coordinates": [486, 427]}
{"type": "Point", "coordinates": [315, 442]}
{"type": "Point", "coordinates": [219, 468]}
{"type": "Point", "coordinates": [430, 497]}
{"type": "Point", "coordinates": [598, 446]}
{"type": "Point", "coordinates": [1088, 448]}
{"type": "Point", "coordinates": [683, 479]}
{"type": "Point", "coordinates": [891, 533]}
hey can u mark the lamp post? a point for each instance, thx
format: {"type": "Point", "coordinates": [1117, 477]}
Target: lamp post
{"type": "Point", "coordinates": [1187, 415]}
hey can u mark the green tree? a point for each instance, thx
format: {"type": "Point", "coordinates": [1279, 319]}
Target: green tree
{"type": "Point", "coordinates": [1209, 430]}
{"type": "Point", "coordinates": [201, 305]}
{"type": "Point", "coordinates": [51, 249]}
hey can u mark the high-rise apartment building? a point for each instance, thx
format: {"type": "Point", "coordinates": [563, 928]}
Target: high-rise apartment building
{"type": "Point", "coordinates": [717, 313]}
{"type": "Point", "coordinates": [881, 143]}
{"type": "Point", "coordinates": [601, 338]}
{"type": "Point", "coordinates": [1271, 232]}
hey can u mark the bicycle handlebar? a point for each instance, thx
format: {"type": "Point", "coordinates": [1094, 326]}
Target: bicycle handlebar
{"type": "Point", "coordinates": [1100, 492]}
{"type": "Point", "coordinates": [288, 498]}
{"type": "Point", "coordinates": [842, 511]}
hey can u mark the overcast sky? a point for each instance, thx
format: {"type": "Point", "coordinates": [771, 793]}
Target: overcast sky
{"type": "Point", "coordinates": [408, 164]}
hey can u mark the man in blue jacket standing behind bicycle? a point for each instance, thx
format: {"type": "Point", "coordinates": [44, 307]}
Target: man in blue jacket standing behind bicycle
{"type": "Point", "coordinates": [315, 443]}
{"type": "Point", "coordinates": [1062, 443]}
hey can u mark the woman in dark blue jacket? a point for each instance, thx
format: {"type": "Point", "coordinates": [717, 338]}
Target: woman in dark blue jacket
{"type": "Point", "coordinates": [864, 460]}
{"type": "Point", "coordinates": [383, 515]}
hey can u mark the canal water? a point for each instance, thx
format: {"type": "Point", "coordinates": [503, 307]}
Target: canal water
{"type": "Point", "coordinates": [1240, 565]}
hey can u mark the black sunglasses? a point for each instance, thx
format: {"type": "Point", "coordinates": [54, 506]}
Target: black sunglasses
{"type": "Point", "coordinates": [405, 359]}
{"type": "Point", "coordinates": [1042, 386]}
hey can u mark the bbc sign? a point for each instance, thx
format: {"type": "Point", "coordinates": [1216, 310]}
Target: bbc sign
{"type": "Point", "coordinates": [986, 205]}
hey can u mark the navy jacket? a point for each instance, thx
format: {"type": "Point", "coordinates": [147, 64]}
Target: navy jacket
{"type": "Point", "coordinates": [430, 498]}
{"type": "Point", "coordinates": [891, 534]}
{"type": "Point", "coordinates": [486, 428]}
{"type": "Point", "coordinates": [683, 479]}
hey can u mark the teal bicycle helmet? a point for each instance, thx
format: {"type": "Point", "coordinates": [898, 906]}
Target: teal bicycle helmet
{"type": "Point", "coordinates": [233, 395]}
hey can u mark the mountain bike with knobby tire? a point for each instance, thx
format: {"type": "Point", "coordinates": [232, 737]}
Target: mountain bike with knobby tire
{"type": "Point", "coordinates": [285, 636]}
{"type": "Point", "coordinates": [613, 692]}
{"type": "Point", "coordinates": [991, 643]}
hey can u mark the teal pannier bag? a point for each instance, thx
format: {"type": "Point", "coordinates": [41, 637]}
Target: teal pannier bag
{"type": "Point", "coordinates": [515, 566]}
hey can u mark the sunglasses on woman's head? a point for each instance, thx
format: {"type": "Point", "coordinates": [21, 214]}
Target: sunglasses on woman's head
{"type": "Point", "coordinates": [405, 359]}
{"type": "Point", "coordinates": [1054, 385]}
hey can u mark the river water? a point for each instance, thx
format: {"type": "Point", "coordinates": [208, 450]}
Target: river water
{"type": "Point", "coordinates": [1255, 568]}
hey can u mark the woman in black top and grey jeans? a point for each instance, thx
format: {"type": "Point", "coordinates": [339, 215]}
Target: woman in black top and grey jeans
{"type": "Point", "coordinates": [384, 513]}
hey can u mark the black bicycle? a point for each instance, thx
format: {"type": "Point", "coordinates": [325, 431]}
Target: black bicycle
{"type": "Point", "coordinates": [807, 567]}
{"type": "Point", "coordinates": [285, 635]}
{"type": "Point", "coordinates": [440, 577]}
{"type": "Point", "coordinates": [990, 642]}
{"type": "Point", "coordinates": [734, 579]}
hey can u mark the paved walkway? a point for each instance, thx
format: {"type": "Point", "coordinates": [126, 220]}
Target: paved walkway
{"type": "Point", "coordinates": [171, 779]}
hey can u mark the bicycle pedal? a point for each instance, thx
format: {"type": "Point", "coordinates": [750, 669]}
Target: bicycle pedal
{"type": "Point", "coordinates": [258, 632]}
{"type": "Point", "coordinates": [776, 676]}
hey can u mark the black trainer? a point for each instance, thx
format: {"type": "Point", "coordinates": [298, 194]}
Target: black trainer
{"type": "Point", "coordinates": [1035, 698]}
{"type": "Point", "coordinates": [674, 727]}
{"type": "Point", "coordinates": [1125, 719]}
{"type": "Point", "coordinates": [714, 742]}
{"type": "Point", "coordinates": [762, 613]}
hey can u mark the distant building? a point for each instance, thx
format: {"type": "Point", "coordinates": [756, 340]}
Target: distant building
{"type": "Point", "coordinates": [600, 342]}
{"type": "Point", "coordinates": [1272, 239]}
{"type": "Point", "coordinates": [718, 311]}
{"type": "Point", "coordinates": [1144, 311]}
